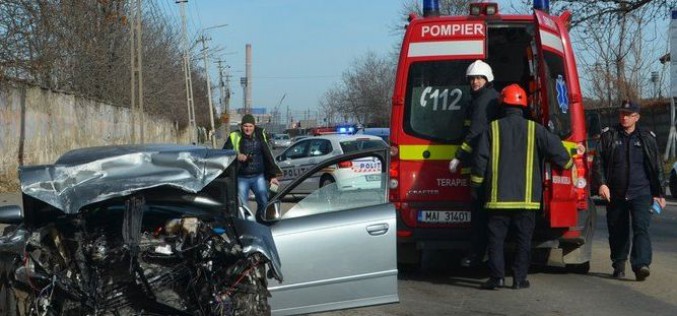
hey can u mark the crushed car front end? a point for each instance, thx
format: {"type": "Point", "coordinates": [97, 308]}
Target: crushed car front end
{"type": "Point", "coordinates": [135, 230]}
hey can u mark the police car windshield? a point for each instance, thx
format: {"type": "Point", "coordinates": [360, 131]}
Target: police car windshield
{"type": "Point", "coordinates": [353, 145]}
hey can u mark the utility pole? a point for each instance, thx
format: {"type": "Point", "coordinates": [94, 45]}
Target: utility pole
{"type": "Point", "coordinates": [248, 74]}
{"type": "Point", "coordinates": [225, 94]}
{"type": "Point", "coordinates": [189, 82]}
{"type": "Point", "coordinates": [243, 83]}
{"type": "Point", "coordinates": [203, 39]}
{"type": "Point", "coordinates": [137, 73]}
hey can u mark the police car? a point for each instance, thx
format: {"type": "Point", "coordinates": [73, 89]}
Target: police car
{"type": "Point", "coordinates": [349, 175]}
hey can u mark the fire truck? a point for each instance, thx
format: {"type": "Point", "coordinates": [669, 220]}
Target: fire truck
{"type": "Point", "coordinates": [429, 120]}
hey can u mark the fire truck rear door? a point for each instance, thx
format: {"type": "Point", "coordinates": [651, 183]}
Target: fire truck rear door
{"type": "Point", "coordinates": [559, 196]}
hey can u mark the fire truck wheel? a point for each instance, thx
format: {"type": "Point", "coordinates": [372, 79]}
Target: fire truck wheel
{"type": "Point", "coordinates": [673, 184]}
{"type": "Point", "coordinates": [408, 258]}
{"type": "Point", "coordinates": [582, 268]}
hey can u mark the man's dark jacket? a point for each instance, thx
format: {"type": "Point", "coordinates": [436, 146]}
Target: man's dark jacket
{"type": "Point", "coordinates": [483, 109]}
{"type": "Point", "coordinates": [271, 168]}
{"type": "Point", "coordinates": [608, 144]}
{"type": "Point", "coordinates": [508, 161]}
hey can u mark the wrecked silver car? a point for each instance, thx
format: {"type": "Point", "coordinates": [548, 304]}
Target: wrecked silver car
{"type": "Point", "coordinates": [134, 230]}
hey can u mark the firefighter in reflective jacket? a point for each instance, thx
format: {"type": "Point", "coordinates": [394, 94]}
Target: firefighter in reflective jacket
{"type": "Point", "coordinates": [508, 163]}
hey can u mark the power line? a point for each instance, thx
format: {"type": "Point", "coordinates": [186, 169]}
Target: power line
{"type": "Point", "coordinates": [296, 77]}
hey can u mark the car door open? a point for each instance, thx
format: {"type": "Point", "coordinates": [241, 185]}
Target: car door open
{"type": "Point", "coordinates": [337, 247]}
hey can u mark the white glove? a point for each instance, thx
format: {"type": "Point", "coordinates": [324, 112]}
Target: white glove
{"type": "Point", "coordinates": [453, 165]}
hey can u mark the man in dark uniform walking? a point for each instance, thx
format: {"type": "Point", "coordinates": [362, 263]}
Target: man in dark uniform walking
{"type": "Point", "coordinates": [508, 163]}
{"type": "Point", "coordinates": [629, 195]}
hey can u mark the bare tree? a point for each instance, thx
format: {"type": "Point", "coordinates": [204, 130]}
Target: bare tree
{"type": "Point", "coordinates": [586, 10]}
{"type": "Point", "coordinates": [617, 43]}
{"type": "Point", "coordinates": [82, 47]}
{"type": "Point", "coordinates": [364, 92]}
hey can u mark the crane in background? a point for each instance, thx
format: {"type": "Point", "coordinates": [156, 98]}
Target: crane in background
{"type": "Point", "coordinates": [276, 115]}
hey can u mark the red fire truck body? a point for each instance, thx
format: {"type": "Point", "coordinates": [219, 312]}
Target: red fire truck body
{"type": "Point", "coordinates": [429, 120]}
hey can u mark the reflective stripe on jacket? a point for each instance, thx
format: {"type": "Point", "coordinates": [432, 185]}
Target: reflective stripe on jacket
{"type": "Point", "coordinates": [508, 161]}
{"type": "Point", "coordinates": [483, 109]}
{"type": "Point", "coordinates": [236, 136]}
{"type": "Point", "coordinates": [271, 168]}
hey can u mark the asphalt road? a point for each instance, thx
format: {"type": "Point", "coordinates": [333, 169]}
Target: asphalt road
{"type": "Point", "coordinates": [444, 288]}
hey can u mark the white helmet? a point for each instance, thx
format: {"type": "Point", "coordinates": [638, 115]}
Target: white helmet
{"type": "Point", "coordinates": [480, 68]}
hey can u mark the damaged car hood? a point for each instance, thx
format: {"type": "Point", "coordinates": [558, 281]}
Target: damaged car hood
{"type": "Point", "coordinates": [85, 176]}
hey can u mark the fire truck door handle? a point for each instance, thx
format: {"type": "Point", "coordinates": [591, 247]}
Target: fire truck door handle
{"type": "Point", "coordinates": [377, 229]}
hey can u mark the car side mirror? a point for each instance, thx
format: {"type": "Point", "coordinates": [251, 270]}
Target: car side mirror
{"type": "Point", "coordinates": [11, 214]}
{"type": "Point", "coordinates": [273, 212]}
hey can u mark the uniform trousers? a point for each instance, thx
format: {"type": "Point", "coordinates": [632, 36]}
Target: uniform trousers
{"type": "Point", "coordinates": [500, 221]}
{"type": "Point", "coordinates": [620, 216]}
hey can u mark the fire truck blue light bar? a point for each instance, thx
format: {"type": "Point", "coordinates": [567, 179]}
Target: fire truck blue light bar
{"type": "Point", "coordinates": [543, 5]}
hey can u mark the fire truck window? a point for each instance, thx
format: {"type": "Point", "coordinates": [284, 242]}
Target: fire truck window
{"type": "Point", "coordinates": [437, 99]}
{"type": "Point", "coordinates": [558, 95]}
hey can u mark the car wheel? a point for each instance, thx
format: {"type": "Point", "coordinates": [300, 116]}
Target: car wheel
{"type": "Point", "coordinates": [8, 302]}
{"type": "Point", "coordinates": [251, 294]}
{"type": "Point", "coordinates": [328, 194]}
{"type": "Point", "coordinates": [673, 184]}
{"type": "Point", "coordinates": [326, 180]}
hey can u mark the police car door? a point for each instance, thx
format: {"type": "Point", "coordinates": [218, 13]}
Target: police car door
{"type": "Point", "coordinates": [293, 162]}
{"type": "Point", "coordinates": [319, 150]}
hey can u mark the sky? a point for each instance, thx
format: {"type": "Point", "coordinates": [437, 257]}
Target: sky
{"type": "Point", "coordinates": [300, 48]}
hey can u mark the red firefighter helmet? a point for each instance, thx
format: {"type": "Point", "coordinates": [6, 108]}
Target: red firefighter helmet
{"type": "Point", "coordinates": [514, 95]}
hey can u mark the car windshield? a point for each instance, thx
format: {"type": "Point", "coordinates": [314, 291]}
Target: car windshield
{"type": "Point", "coordinates": [368, 189]}
{"type": "Point", "coordinates": [282, 137]}
{"type": "Point", "coordinates": [353, 145]}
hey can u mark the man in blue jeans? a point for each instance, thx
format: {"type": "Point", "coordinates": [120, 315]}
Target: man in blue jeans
{"type": "Point", "coordinates": [257, 166]}
{"type": "Point", "coordinates": [629, 171]}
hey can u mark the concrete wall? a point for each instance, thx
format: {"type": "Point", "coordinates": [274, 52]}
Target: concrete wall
{"type": "Point", "coordinates": [37, 126]}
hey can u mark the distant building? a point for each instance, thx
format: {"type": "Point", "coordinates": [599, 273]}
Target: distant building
{"type": "Point", "coordinates": [259, 114]}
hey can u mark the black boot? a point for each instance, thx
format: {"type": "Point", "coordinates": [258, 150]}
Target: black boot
{"type": "Point", "coordinates": [642, 273]}
{"type": "Point", "coordinates": [493, 283]}
{"type": "Point", "coordinates": [619, 270]}
{"type": "Point", "coordinates": [523, 284]}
